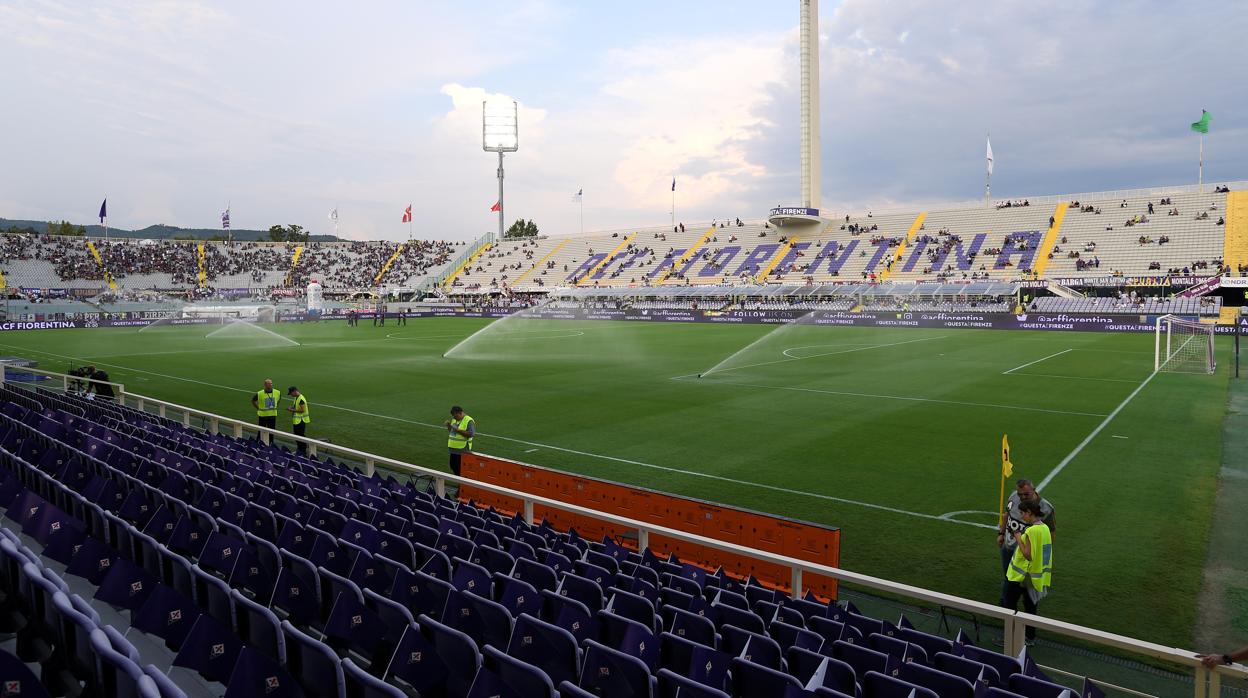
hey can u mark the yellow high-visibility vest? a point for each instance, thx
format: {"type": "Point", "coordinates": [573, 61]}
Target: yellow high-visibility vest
{"type": "Point", "coordinates": [1038, 571]}
{"type": "Point", "coordinates": [267, 403]}
{"type": "Point", "coordinates": [457, 441]}
{"type": "Point", "coordinates": [305, 416]}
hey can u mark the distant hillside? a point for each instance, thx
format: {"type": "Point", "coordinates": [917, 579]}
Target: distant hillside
{"type": "Point", "coordinates": [159, 232]}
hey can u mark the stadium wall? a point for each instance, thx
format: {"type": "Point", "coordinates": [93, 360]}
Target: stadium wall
{"type": "Point", "coordinates": [797, 539]}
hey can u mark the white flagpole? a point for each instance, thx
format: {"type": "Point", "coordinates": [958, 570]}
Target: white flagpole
{"type": "Point", "coordinates": [1200, 175]}
{"type": "Point", "coordinates": [580, 199]}
{"type": "Point", "coordinates": [988, 176]}
{"type": "Point", "coordinates": [673, 203]}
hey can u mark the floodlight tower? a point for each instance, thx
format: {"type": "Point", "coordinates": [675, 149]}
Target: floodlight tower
{"type": "Point", "coordinates": [500, 133]}
{"type": "Point", "coordinates": [812, 177]}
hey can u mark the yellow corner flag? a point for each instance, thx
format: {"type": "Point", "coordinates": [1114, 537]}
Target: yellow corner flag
{"type": "Point", "coordinates": [1007, 469]}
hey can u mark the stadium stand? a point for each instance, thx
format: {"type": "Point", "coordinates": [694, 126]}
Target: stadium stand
{"type": "Point", "coordinates": [1099, 236]}
{"type": "Point", "coordinates": [1126, 305]}
{"type": "Point", "coordinates": [65, 262]}
{"type": "Point", "coordinates": [224, 566]}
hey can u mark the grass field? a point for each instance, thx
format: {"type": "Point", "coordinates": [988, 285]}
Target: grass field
{"type": "Point", "coordinates": [890, 434]}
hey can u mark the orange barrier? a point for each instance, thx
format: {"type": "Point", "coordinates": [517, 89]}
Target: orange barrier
{"type": "Point", "coordinates": [775, 534]}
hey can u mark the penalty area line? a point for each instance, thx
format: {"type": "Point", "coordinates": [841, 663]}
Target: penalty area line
{"type": "Point", "coordinates": [1078, 449]}
{"type": "Point", "coordinates": [627, 461]}
{"type": "Point", "coordinates": [1033, 363]}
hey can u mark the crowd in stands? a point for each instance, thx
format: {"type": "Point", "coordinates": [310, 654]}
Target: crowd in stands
{"type": "Point", "coordinates": [337, 265]}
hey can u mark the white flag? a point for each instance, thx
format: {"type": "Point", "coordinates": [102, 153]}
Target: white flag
{"type": "Point", "coordinates": [333, 215]}
{"type": "Point", "coordinates": [989, 156]}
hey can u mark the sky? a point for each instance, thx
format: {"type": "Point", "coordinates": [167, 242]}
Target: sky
{"type": "Point", "coordinates": [282, 111]}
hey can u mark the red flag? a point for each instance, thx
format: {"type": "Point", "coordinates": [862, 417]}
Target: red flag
{"type": "Point", "coordinates": [498, 206]}
{"type": "Point", "coordinates": [407, 214]}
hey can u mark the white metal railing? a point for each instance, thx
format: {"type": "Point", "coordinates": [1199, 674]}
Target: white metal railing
{"type": "Point", "coordinates": [65, 382]}
{"type": "Point", "coordinates": [1015, 624]}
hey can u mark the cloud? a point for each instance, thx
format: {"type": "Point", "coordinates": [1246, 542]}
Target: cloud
{"type": "Point", "coordinates": [173, 108]}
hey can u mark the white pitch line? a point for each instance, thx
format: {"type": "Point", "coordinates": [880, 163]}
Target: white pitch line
{"type": "Point", "coordinates": [907, 398]}
{"type": "Point", "coordinates": [950, 514]}
{"type": "Point", "coordinates": [1116, 436]}
{"type": "Point", "coordinates": [831, 353]}
{"type": "Point", "coordinates": [1071, 456]}
{"type": "Point", "coordinates": [1033, 363]}
{"type": "Point", "coordinates": [678, 471]}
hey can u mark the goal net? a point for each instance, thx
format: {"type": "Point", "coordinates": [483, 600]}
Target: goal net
{"type": "Point", "coordinates": [1183, 346]}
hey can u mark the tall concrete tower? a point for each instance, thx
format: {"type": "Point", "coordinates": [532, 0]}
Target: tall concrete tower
{"type": "Point", "coordinates": [812, 178]}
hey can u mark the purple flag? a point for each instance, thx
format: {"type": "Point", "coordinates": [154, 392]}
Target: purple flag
{"type": "Point", "coordinates": [103, 211]}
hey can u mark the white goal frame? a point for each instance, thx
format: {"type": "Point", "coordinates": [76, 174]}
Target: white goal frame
{"type": "Point", "coordinates": [1183, 346]}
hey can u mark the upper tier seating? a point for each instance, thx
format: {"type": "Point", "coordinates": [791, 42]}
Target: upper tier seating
{"type": "Point", "coordinates": [1002, 243]}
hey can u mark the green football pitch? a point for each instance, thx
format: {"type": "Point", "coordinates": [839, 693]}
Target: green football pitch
{"type": "Point", "coordinates": [891, 434]}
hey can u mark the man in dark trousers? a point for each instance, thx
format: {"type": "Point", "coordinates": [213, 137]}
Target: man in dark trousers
{"type": "Point", "coordinates": [299, 416]}
{"type": "Point", "coordinates": [265, 401]}
{"type": "Point", "coordinates": [460, 429]}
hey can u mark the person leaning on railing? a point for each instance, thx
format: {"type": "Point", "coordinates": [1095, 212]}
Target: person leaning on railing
{"type": "Point", "coordinates": [1213, 660]}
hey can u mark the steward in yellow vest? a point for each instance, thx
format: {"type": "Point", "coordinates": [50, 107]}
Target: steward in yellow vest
{"type": "Point", "coordinates": [460, 429]}
{"type": "Point", "coordinates": [299, 415]}
{"type": "Point", "coordinates": [1030, 572]}
{"type": "Point", "coordinates": [265, 401]}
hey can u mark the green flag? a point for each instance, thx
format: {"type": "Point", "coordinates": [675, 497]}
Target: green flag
{"type": "Point", "coordinates": [1202, 126]}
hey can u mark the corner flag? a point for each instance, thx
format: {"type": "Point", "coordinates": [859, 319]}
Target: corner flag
{"type": "Point", "coordinates": [1007, 469]}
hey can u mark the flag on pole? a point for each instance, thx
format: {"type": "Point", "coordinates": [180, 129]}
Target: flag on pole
{"type": "Point", "coordinates": [498, 206]}
{"type": "Point", "coordinates": [225, 219]}
{"type": "Point", "coordinates": [673, 184]}
{"type": "Point", "coordinates": [1202, 126]}
{"type": "Point", "coordinates": [103, 211]}
{"type": "Point", "coordinates": [333, 215]}
{"type": "Point", "coordinates": [407, 214]}
{"type": "Point", "coordinates": [1007, 468]}
{"type": "Point", "coordinates": [989, 156]}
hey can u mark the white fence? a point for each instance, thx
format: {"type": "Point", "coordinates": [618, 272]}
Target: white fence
{"type": "Point", "coordinates": [1207, 683]}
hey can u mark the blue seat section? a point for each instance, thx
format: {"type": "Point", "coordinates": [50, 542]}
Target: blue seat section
{"type": "Point", "coordinates": [272, 573]}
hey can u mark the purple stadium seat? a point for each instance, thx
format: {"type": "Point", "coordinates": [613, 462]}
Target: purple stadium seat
{"type": "Point", "coordinates": [416, 663]}
{"type": "Point", "coordinates": [517, 596]}
{"type": "Point", "coordinates": [945, 685]}
{"type": "Point", "coordinates": [256, 675]}
{"type": "Point", "coordinates": [548, 647]}
{"type": "Point", "coordinates": [360, 684]}
{"type": "Point", "coordinates": [877, 685]}
{"type": "Point", "coordinates": [613, 674]}
{"type": "Point", "coordinates": [750, 679]}
{"type": "Point", "coordinates": [167, 615]}
{"type": "Point", "coordinates": [312, 664]}
{"type": "Point", "coordinates": [521, 677]}
{"type": "Point", "coordinates": [458, 652]}
{"type": "Point", "coordinates": [752, 647]}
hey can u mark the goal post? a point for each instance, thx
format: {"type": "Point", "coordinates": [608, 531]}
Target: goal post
{"type": "Point", "coordinates": [1183, 346]}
